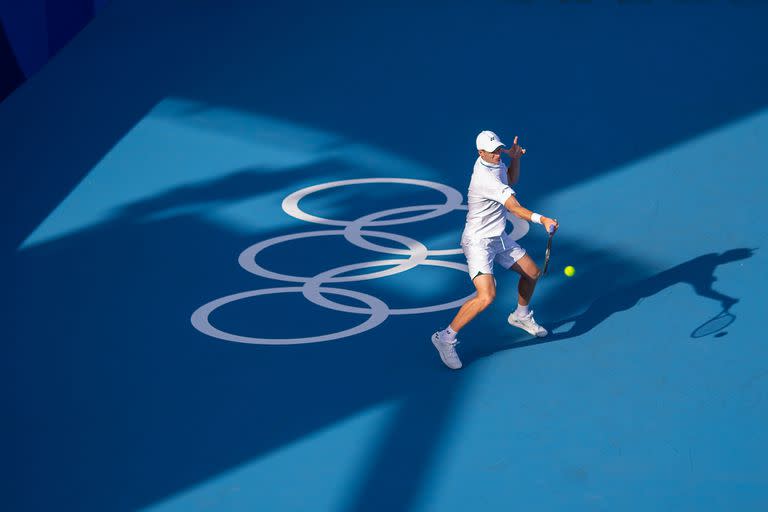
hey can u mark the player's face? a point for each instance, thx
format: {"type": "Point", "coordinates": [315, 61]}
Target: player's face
{"type": "Point", "coordinates": [491, 156]}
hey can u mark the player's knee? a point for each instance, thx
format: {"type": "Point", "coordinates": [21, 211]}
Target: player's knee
{"type": "Point", "coordinates": [486, 299]}
{"type": "Point", "coordinates": [531, 273]}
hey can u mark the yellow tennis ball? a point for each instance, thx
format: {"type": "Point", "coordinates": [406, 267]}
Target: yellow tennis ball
{"type": "Point", "coordinates": [569, 271]}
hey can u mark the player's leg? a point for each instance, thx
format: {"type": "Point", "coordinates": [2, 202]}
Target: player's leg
{"type": "Point", "coordinates": [486, 293]}
{"type": "Point", "coordinates": [480, 255]}
{"type": "Point", "coordinates": [445, 341]}
{"type": "Point", "coordinates": [522, 317]}
{"type": "Point", "coordinates": [529, 276]}
{"type": "Point", "coordinates": [514, 257]}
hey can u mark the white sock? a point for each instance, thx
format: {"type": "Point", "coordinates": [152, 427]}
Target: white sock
{"type": "Point", "coordinates": [521, 310]}
{"type": "Point", "coordinates": [448, 334]}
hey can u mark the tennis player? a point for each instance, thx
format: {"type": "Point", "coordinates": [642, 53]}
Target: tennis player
{"type": "Point", "coordinates": [485, 242]}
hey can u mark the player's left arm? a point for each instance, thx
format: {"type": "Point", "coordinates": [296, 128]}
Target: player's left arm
{"type": "Point", "coordinates": [513, 169]}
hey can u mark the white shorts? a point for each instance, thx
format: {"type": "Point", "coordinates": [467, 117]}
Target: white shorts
{"type": "Point", "coordinates": [482, 252]}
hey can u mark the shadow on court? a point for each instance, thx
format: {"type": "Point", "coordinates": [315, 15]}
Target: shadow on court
{"type": "Point", "coordinates": [698, 272]}
{"type": "Point", "coordinates": [116, 378]}
{"type": "Point", "coordinates": [118, 403]}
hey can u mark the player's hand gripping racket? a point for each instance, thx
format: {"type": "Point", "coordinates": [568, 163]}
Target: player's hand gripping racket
{"type": "Point", "coordinates": [549, 249]}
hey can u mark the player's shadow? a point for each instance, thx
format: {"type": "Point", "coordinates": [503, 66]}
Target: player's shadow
{"type": "Point", "coordinates": [698, 272]}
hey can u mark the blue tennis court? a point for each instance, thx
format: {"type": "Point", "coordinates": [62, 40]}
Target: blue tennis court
{"type": "Point", "coordinates": [232, 227]}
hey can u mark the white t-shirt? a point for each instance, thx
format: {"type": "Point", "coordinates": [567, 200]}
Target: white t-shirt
{"type": "Point", "coordinates": [488, 190]}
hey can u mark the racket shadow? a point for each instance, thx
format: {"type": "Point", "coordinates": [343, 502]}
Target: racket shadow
{"type": "Point", "coordinates": [715, 325]}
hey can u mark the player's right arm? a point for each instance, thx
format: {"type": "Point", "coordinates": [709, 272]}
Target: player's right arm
{"type": "Point", "coordinates": [524, 213]}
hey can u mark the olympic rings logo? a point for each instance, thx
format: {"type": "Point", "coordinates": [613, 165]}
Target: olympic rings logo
{"type": "Point", "coordinates": [356, 232]}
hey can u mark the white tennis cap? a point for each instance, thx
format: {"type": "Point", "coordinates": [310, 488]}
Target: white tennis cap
{"type": "Point", "coordinates": [488, 141]}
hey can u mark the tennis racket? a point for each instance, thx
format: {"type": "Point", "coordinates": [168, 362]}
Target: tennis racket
{"type": "Point", "coordinates": [549, 249]}
{"type": "Point", "coordinates": [714, 325]}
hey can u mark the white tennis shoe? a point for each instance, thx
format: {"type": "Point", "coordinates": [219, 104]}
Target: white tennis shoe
{"type": "Point", "coordinates": [447, 350]}
{"type": "Point", "coordinates": [527, 323]}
